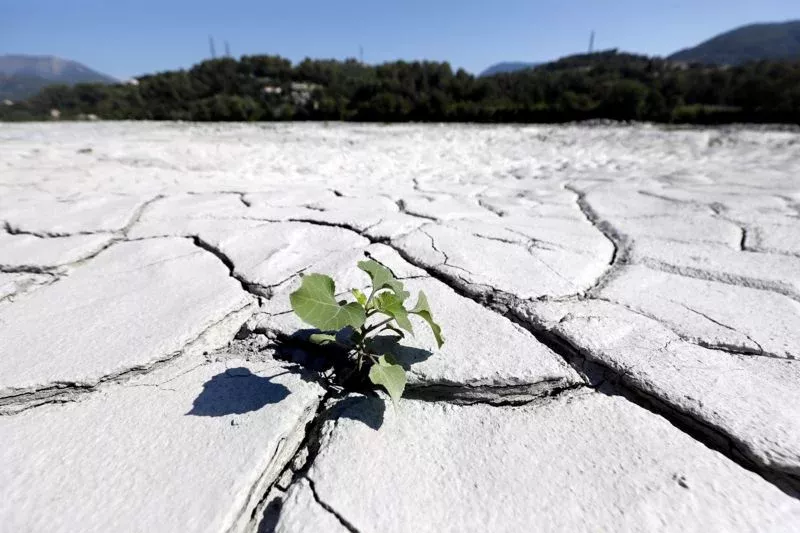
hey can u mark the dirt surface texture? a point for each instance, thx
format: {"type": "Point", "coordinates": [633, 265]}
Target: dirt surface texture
{"type": "Point", "coordinates": [620, 303]}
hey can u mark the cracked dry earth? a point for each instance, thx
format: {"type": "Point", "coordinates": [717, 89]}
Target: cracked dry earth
{"type": "Point", "coordinates": [621, 307]}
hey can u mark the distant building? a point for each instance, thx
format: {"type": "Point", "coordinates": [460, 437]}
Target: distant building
{"type": "Point", "coordinates": [55, 114]}
{"type": "Point", "coordinates": [301, 92]}
{"type": "Point", "coordinates": [132, 81]}
{"type": "Point", "coordinates": [299, 86]}
{"type": "Point", "coordinates": [8, 102]}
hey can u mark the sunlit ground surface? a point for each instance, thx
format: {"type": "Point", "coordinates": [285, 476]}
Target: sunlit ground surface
{"type": "Point", "coordinates": [621, 308]}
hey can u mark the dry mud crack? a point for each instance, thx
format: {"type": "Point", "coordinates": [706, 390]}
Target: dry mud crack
{"type": "Point", "coordinates": [620, 306]}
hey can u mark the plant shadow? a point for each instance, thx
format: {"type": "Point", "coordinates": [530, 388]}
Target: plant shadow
{"type": "Point", "coordinates": [237, 391]}
{"type": "Point", "coordinates": [368, 410]}
{"type": "Point", "coordinates": [298, 349]}
{"type": "Point", "coordinates": [405, 355]}
{"type": "Point", "coordinates": [332, 367]}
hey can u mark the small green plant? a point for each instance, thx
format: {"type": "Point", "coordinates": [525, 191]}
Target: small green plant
{"type": "Point", "coordinates": [352, 326]}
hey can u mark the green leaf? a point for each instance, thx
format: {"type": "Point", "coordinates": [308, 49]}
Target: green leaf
{"type": "Point", "coordinates": [423, 310]}
{"type": "Point", "coordinates": [315, 304]}
{"type": "Point", "coordinates": [388, 304]}
{"type": "Point", "coordinates": [389, 375]}
{"type": "Point", "coordinates": [382, 278]}
{"type": "Point", "coordinates": [360, 296]}
{"type": "Point", "coordinates": [321, 338]}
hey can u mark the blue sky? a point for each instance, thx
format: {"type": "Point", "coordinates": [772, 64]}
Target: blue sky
{"type": "Point", "coordinates": [124, 38]}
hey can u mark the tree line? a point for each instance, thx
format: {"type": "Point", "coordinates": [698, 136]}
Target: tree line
{"type": "Point", "coordinates": [603, 85]}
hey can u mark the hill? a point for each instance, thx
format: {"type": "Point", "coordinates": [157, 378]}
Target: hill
{"type": "Point", "coordinates": [22, 76]}
{"type": "Point", "coordinates": [773, 41]}
{"type": "Point", "coordinates": [502, 68]}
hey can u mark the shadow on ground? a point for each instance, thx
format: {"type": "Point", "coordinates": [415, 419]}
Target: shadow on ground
{"type": "Point", "coordinates": [297, 348]}
{"type": "Point", "coordinates": [237, 391]}
{"type": "Point", "coordinates": [368, 410]}
{"type": "Point", "coordinates": [405, 355]}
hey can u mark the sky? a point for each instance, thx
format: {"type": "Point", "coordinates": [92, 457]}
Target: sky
{"type": "Point", "coordinates": [124, 38]}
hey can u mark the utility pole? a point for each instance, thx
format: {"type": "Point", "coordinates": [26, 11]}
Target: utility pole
{"type": "Point", "coordinates": [211, 45]}
{"type": "Point", "coordinates": [591, 43]}
{"type": "Point", "coordinates": [361, 54]}
{"type": "Point", "coordinates": [227, 49]}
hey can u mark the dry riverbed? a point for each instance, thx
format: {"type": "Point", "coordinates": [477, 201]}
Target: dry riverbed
{"type": "Point", "coordinates": [621, 306]}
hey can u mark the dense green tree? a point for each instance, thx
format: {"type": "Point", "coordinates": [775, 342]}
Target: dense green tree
{"type": "Point", "coordinates": [606, 84]}
{"type": "Point", "coordinates": [626, 100]}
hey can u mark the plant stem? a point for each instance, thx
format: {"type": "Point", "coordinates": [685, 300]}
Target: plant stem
{"type": "Point", "coordinates": [376, 326]}
{"type": "Point", "coordinates": [361, 347]}
{"type": "Point", "coordinates": [371, 294]}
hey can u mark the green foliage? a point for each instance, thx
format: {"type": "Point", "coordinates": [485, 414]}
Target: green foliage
{"type": "Point", "coordinates": [606, 84]}
{"type": "Point", "coordinates": [423, 310]}
{"type": "Point", "coordinates": [387, 373]}
{"type": "Point", "coordinates": [315, 304]}
{"type": "Point", "coordinates": [382, 278]}
{"type": "Point", "coordinates": [352, 326]}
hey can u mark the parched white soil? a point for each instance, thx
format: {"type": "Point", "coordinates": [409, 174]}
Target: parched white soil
{"type": "Point", "coordinates": [621, 308]}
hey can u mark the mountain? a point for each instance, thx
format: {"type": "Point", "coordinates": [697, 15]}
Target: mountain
{"type": "Point", "coordinates": [20, 87]}
{"type": "Point", "coordinates": [780, 40]}
{"type": "Point", "coordinates": [500, 68]}
{"type": "Point", "coordinates": [22, 76]}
